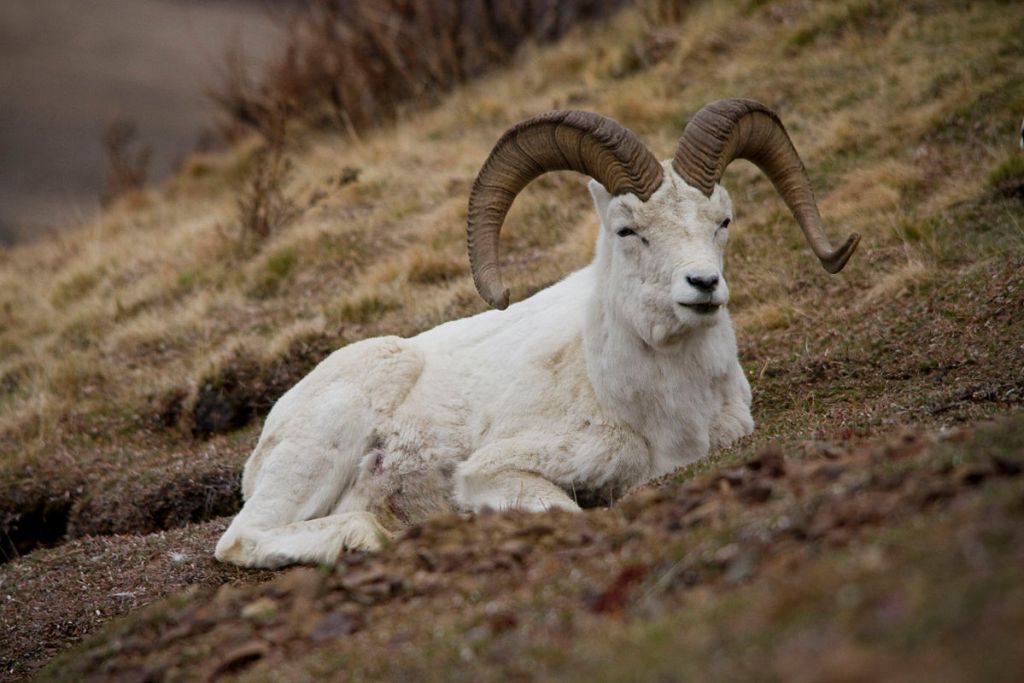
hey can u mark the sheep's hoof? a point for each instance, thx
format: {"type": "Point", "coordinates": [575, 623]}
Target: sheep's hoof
{"type": "Point", "coordinates": [238, 550]}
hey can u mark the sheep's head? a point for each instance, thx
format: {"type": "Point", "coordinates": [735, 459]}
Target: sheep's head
{"type": "Point", "coordinates": [665, 225]}
{"type": "Point", "coordinates": [662, 258]}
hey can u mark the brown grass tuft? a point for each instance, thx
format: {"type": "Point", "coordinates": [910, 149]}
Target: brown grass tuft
{"type": "Point", "coordinates": [127, 160]}
{"type": "Point", "coordinates": [264, 207]}
{"type": "Point", "coordinates": [428, 268]}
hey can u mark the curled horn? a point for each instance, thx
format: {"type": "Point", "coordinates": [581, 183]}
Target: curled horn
{"type": "Point", "coordinates": [745, 129]}
{"type": "Point", "coordinates": [556, 141]}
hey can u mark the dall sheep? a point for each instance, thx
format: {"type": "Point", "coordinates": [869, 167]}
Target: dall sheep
{"type": "Point", "coordinates": [621, 372]}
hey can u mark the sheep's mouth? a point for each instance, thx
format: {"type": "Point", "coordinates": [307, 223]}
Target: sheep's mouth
{"type": "Point", "coordinates": [702, 309]}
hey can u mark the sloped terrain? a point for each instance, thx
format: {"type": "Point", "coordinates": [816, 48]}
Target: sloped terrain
{"type": "Point", "coordinates": [687, 578]}
{"type": "Point", "coordinates": [869, 528]}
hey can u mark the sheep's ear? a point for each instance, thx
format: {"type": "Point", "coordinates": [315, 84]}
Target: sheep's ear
{"type": "Point", "coordinates": [601, 198]}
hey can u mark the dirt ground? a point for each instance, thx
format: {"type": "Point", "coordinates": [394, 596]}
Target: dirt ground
{"type": "Point", "coordinates": [525, 596]}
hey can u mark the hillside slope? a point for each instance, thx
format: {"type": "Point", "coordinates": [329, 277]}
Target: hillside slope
{"type": "Point", "coordinates": [872, 529]}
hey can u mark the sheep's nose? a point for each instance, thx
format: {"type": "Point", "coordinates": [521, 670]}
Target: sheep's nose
{"type": "Point", "coordinates": [703, 283]}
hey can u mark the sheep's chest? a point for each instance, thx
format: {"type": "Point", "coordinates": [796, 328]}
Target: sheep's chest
{"type": "Point", "coordinates": [671, 403]}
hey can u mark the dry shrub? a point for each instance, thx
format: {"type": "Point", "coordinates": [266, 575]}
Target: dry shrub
{"type": "Point", "coordinates": [1008, 178]}
{"type": "Point", "coordinates": [349, 64]}
{"type": "Point", "coordinates": [244, 385]}
{"type": "Point", "coordinates": [429, 269]}
{"type": "Point", "coordinates": [127, 160]}
{"type": "Point", "coordinates": [363, 310]}
{"type": "Point", "coordinates": [264, 207]}
{"type": "Point", "coordinates": [663, 12]}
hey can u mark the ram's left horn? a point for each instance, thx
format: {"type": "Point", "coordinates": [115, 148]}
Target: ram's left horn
{"type": "Point", "coordinates": [744, 129]}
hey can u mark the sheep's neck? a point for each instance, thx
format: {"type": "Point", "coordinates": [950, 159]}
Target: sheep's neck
{"type": "Point", "coordinates": [661, 393]}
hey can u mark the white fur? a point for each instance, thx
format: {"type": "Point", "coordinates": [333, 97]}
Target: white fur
{"type": "Point", "coordinates": [598, 383]}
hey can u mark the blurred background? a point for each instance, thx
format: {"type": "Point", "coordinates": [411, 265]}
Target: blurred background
{"type": "Point", "coordinates": [105, 97]}
{"type": "Point", "coordinates": [133, 72]}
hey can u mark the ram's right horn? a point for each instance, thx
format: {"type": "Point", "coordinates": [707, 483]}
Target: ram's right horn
{"type": "Point", "coordinates": [556, 141]}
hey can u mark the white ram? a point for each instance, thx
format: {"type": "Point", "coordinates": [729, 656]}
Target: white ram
{"type": "Point", "coordinates": [623, 371]}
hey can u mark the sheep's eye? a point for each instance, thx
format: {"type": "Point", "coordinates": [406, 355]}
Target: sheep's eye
{"type": "Point", "coordinates": [626, 232]}
{"type": "Point", "coordinates": [725, 223]}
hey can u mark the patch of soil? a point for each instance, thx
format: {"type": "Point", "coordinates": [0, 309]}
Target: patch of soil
{"type": "Point", "coordinates": [506, 582]}
{"type": "Point", "coordinates": [244, 387]}
{"type": "Point", "coordinates": [136, 492]}
{"type": "Point", "coordinates": [225, 402]}
{"type": "Point", "coordinates": [163, 500]}
{"type": "Point", "coordinates": [54, 597]}
{"type": "Point", "coordinates": [166, 409]}
{"type": "Point", "coordinates": [33, 516]}
{"type": "Point", "coordinates": [1011, 188]}
{"type": "Point", "coordinates": [949, 353]}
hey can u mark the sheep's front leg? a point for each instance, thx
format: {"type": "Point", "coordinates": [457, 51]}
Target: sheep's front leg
{"type": "Point", "coordinates": [734, 420]}
{"type": "Point", "coordinates": [505, 476]}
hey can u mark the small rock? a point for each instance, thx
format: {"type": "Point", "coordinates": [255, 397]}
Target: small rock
{"type": "Point", "coordinates": [972, 475]}
{"type": "Point", "coordinates": [240, 658]}
{"type": "Point", "coordinates": [829, 471]}
{"type": "Point", "coordinates": [769, 460]}
{"type": "Point", "coordinates": [262, 609]}
{"type": "Point", "coordinates": [515, 548]}
{"type": "Point", "coordinates": [226, 594]}
{"type": "Point", "coordinates": [826, 449]}
{"type": "Point", "coordinates": [300, 581]}
{"type": "Point", "coordinates": [726, 554]}
{"type": "Point", "coordinates": [742, 566]}
{"type": "Point", "coordinates": [731, 477]}
{"type": "Point", "coordinates": [372, 584]}
{"type": "Point", "coordinates": [348, 175]}
{"type": "Point", "coordinates": [176, 633]}
{"type": "Point", "coordinates": [755, 492]}
{"type": "Point", "coordinates": [426, 583]}
{"type": "Point", "coordinates": [336, 624]}
{"type": "Point", "coordinates": [1006, 467]}
{"type": "Point", "coordinates": [365, 577]}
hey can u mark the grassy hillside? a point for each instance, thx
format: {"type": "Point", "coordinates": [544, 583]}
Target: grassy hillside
{"type": "Point", "coordinates": [138, 354]}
